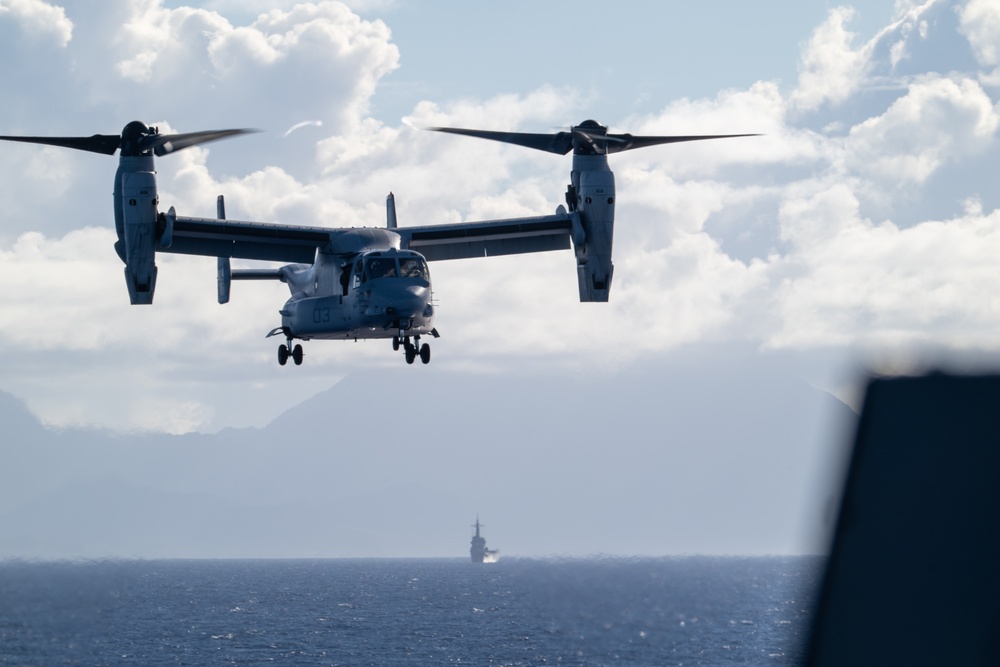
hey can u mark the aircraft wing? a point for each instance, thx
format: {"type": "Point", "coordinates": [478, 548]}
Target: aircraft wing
{"type": "Point", "coordinates": [267, 241]}
{"type": "Point", "coordinates": [490, 238]}
{"type": "Point", "coordinates": [287, 243]}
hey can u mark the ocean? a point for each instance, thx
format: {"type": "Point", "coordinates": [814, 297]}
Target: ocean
{"type": "Point", "coordinates": [646, 611]}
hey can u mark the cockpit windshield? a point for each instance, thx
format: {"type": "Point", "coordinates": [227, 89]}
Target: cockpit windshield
{"type": "Point", "coordinates": [380, 267]}
{"type": "Point", "coordinates": [386, 267]}
{"type": "Point", "coordinates": [413, 267]}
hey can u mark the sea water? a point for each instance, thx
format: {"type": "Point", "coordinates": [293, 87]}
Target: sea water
{"type": "Point", "coordinates": [663, 611]}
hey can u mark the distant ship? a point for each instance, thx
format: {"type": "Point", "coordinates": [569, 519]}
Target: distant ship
{"type": "Point", "coordinates": [479, 552]}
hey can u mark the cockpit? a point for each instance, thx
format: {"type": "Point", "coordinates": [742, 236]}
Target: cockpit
{"type": "Point", "coordinates": [400, 265]}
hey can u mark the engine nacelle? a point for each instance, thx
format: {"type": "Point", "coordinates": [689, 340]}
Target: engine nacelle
{"type": "Point", "coordinates": [136, 223]}
{"type": "Point", "coordinates": [594, 189]}
{"type": "Point", "coordinates": [138, 210]}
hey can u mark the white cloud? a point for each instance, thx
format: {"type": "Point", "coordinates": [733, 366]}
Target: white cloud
{"type": "Point", "coordinates": [938, 119]}
{"type": "Point", "coordinates": [291, 54]}
{"type": "Point", "coordinates": [859, 282]}
{"type": "Point", "coordinates": [980, 24]}
{"type": "Point", "coordinates": [39, 19]}
{"type": "Point", "coordinates": [321, 45]}
{"type": "Point", "coordinates": [831, 68]}
{"type": "Point", "coordinates": [74, 275]}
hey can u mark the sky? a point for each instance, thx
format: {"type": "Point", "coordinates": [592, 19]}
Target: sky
{"type": "Point", "coordinates": [862, 224]}
{"type": "Point", "coordinates": [861, 230]}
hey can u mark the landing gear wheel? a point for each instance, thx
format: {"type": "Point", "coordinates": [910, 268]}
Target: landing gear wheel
{"type": "Point", "coordinates": [297, 355]}
{"type": "Point", "coordinates": [411, 354]}
{"type": "Point", "coordinates": [395, 344]}
{"type": "Point", "coordinates": [425, 353]}
{"type": "Point", "coordinates": [282, 355]}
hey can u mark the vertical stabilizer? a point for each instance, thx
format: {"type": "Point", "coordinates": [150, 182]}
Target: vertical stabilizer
{"type": "Point", "coordinates": [390, 211]}
{"type": "Point", "coordinates": [224, 271]}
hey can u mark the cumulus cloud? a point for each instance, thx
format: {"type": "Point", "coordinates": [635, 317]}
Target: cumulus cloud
{"type": "Point", "coordinates": [980, 24]}
{"type": "Point", "coordinates": [291, 54]}
{"type": "Point", "coordinates": [831, 68]}
{"type": "Point", "coordinates": [859, 282]}
{"type": "Point", "coordinates": [938, 119]}
{"type": "Point", "coordinates": [39, 19]}
{"type": "Point", "coordinates": [836, 65]}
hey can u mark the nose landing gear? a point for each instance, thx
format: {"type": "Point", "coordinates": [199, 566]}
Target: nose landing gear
{"type": "Point", "coordinates": [285, 351]}
{"type": "Point", "coordinates": [412, 350]}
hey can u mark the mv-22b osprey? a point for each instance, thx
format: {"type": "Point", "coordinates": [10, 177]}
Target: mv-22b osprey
{"type": "Point", "coordinates": [363, 282]}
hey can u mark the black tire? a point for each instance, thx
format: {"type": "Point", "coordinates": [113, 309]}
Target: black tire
{"type": "Point", "coordinates": [297, 355]}
{"type": "Point", "coordinates": [411, 354]}
{"type": "Point", "coordinates": [425, 353]}
{"type": "Point", "coordinates": [282, 355]}
{"type": "Point", "coordinates": [395, 345]}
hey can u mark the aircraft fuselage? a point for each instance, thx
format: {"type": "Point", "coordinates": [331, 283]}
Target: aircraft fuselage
{"type": "Point", "coordinates": [379, 294]}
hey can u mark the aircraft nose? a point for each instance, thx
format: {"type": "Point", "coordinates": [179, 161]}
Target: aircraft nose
{"type": "Point", "coordinates": [407, 302]}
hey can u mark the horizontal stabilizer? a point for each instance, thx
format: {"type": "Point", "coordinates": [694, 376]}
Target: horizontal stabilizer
{"type": "Point", "coordinates": [257, 274]}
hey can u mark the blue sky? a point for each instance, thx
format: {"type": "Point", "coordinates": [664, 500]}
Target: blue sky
{"type": "Point", "coordinates": [630, 59]}
{"type": "Point", "coordinates": [863, 225]}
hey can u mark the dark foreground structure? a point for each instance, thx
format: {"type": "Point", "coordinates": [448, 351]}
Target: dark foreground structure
{"type": "Point", "coordinates": [914, 571]}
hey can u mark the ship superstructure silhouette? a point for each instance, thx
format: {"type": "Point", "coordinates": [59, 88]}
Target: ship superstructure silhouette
{"type": "Point", "coordinates": [478, 550]}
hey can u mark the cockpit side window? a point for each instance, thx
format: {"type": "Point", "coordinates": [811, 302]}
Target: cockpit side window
{"type": "Point", "coordinates": [413, 267]}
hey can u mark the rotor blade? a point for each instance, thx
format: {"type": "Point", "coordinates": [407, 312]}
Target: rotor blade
{"type": "Point", "coordinates": [164, 144]}
{"type": "Point", "coordinates": [105, 144]}
{"type": "Point", "coordinates": [627, 142]}
{"type": "Point", "coordinates": [559, 143]}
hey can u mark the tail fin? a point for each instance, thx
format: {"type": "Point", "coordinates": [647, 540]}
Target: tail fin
{"type": "Point", "coordinates": [224, 271]}
{"type": "Point", "coordinates": [390, 211]}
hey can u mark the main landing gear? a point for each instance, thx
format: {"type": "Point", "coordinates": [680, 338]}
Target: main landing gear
{"type": "Point", "coordinates": [285, 351]}
{"type": "Point", "coordinates": [412, 350]}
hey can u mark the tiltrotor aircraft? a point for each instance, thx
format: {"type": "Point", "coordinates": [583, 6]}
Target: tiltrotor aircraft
{"type": "Point", "coordinates": [360, 283]}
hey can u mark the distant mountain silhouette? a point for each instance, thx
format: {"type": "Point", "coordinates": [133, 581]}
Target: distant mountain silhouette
{"type": "Point", "coordinates": [16, 418]}
{"type": "Point", "coordinates": [662, 459]}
